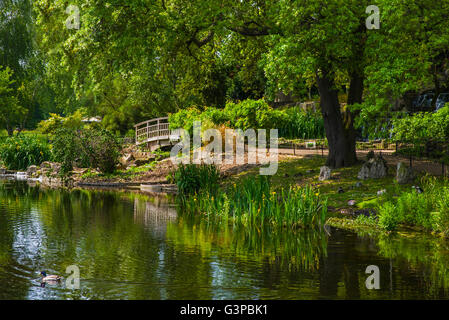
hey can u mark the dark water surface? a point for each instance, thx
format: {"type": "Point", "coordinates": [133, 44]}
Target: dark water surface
{"type": "Point", "coordinates": [130, 246]}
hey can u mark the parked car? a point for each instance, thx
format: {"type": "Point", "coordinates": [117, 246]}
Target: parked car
{"type": "Point", "coordinates": [442, 99]}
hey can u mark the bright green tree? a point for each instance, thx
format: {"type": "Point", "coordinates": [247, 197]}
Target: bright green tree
{"type": "Point", "coordinates": [11, 111]}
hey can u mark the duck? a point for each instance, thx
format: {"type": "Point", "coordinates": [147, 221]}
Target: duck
{"type": "Point", "coordinates": [49, 278]}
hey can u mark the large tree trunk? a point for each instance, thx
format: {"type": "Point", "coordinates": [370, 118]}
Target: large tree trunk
{"type": "Point", "coordinates": [339, 127]}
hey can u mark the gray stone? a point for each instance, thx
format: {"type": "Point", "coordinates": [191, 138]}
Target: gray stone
{"type": "Point", "coordinates": [46, 164]}
{"type": "Point", "coordinates": [325, 173]}
{"type": "Point", "coordinates": [381, 192]}
{"type": "Point", "coordinates": [404, 174]}
{"type": "Point", "coordinates": [32, 170]}
{"type": "Point", "coordinates": [351, 202]}
{"type": "Point", "coordinates": [358, 184]}
{"type": "Point", "coordinates": [374, 168]}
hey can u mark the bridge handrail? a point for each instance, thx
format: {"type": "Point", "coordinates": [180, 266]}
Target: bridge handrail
{"type": "Point", "coordinates": [154, 129]}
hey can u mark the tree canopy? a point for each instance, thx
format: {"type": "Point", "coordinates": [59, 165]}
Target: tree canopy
{"type": "Point", "coordinates": [132, 60]}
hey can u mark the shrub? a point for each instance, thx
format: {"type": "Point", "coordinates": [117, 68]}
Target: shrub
{"type": "Point", "coordinates": [255, 114]}
{"type": "Point", "coordinates": [192, 178]}
{"type": "Point", "coordinates": [56, 122]}
{"type": "Point", "coordinates": [422, 126]}
{"type": "Point", "coordinates": [301, 124]}
{"type": "Point", "coordinates": [101, 148]}
{"type": "Point", "coordinates": [429, 210]}
{"type": "Point", "coordinates": [94, 148]}
{"type": "Point", "coordinates": [67, 149]}
{"type": "Point", "coordinates": [21, 151]}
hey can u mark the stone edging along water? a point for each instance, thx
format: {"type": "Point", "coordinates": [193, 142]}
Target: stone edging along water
{"type": "Point", "coordinates": [56, 182]}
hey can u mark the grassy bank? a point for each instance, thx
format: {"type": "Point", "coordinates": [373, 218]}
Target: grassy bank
{"type": "Point", "coordinates": [398, 208]}
{"type": "Point", "coordinates": [249, 201]}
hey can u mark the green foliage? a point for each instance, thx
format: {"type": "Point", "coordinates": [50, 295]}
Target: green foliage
{"type": "Point", "coordinates": [429, 210]}
{"type": "Point", "coordinates": [253, 114]}
{"type": "Point", "coordinates": [101, 148]}
{"type": "Point", "coordinates": [91, 147]}
{"type": "Point", "coordinates": [67, 149]}
{"type": "Point", "coordinates": [422, 126]}
{"type": "Point", "coordinates": [10, 108]}
{"type": "Point", "coordinates": [21, 151]}
{"type": "Point", "coordinates": [192, 178]}
{"type": "Point", "coordinates": [56, 122]}
{"type": "Point", "coordinates": [302, 124]}
{"type": "Point", "coordinates": [252, 202]}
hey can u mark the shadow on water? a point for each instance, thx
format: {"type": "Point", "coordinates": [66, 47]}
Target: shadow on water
{"type": "Point", "coordinates": [132, 246]}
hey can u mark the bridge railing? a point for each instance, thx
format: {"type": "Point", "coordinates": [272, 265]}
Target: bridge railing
{"type": "Point", "coordinates": [152, 130]}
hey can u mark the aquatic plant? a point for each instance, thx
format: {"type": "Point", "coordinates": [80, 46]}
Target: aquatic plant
{"type": "Point", "coordinates": [253, 202]}
{"type": "Point", "coordinates": [193, 178]}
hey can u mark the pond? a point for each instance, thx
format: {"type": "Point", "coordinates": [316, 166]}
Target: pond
{"type": "Point", "coordinates": [131, 246]}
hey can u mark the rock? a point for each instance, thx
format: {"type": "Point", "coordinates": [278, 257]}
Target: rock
{"type": "Point", "coordinates": [351, 203]}
{"type": "Point", "coordinates": [340, 190]}
{"type": "Point", "coordinates": [365, 212]}
{"type": "Point", "coordinates": [46, 164]}
{"type": "Point", "coordinates": [381, 192]}
{"type": "Point", "coordinates": [418, 189]}
{"type": "Point", "coordinates": [358, 184]}
{"type": "Point", "coordinates": [375, 168]}
{"type": "Point", "coordinates": [404, 174]}
{"type": "Point", "coordinates": [126, 159]}
{"type": "Point", "coordinates": [325, 173]}
{"type": "Point", "coordinates": [2, 171]}
{"type": "Point", "coordinates": [32, 170]}
{"type": "Point", "coordinates": [55, 167]}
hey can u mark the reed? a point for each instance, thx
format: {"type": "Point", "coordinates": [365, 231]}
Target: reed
{"type": "Point", "coordinates": [252, 202]}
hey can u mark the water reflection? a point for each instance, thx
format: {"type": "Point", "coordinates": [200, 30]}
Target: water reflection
{"type": "Point", "coordinates": [131, 246]}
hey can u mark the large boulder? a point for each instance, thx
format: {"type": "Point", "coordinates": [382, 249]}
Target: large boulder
{"type": "Point", "coordinates": [404, 174]}
{"type": "Point", "coordinates": [325, 173]}
{"type": "Point", "coordinates": [374, 168]}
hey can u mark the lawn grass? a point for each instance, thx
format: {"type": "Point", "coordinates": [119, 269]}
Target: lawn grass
{"type": "Point", "coordinates": [346, 178]}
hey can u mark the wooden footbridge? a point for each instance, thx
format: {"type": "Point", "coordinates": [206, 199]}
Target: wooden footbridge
{"type": "Point", "coordinates": [155, 133]}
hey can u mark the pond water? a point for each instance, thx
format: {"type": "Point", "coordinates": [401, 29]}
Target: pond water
{"type": "Point", "coordinates": [131, 246]}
